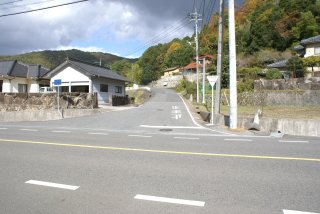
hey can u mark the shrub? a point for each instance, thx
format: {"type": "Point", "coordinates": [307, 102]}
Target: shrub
{"type": "Point", "coordinates": [273, 73]}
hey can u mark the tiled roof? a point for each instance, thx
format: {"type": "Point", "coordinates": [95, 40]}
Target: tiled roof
{"type": "Point", "coordinates": [90, 70]}
{"type": "Point", "coordinates": [311, 40]}
{"type": "Point", "coordinates": [15, 68]}
{"type": "Point", "coordinates": [192, 65]}
{"type": "Point", "coordinates": [280, 64]}
{"type": "Point", "coordinates": [298, 48]}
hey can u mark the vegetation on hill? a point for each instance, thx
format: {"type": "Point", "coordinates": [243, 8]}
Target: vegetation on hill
{"type": "Point", "coordinates": [51, 59]}
{"type": "Point", "coordinates": [266, 31]}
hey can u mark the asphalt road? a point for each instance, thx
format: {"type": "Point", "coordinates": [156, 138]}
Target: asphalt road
{"type": "Point", "coordinates": [153, 159]}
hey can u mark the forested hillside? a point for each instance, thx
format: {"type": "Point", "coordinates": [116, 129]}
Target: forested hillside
{"type": "Point", "coordinates": [51, 59]}
{"type": "Point", "coordinates": [266, 31]}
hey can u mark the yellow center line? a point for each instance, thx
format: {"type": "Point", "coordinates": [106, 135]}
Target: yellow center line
{"type": "Point", "coordinates": [163, 151]}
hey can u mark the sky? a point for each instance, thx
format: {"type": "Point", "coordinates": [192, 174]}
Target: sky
{"type": "Point", "coordinates": [122, 27]}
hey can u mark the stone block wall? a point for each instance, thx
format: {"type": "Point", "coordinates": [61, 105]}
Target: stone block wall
{"type": "Point", "coordinates": [41, 101]}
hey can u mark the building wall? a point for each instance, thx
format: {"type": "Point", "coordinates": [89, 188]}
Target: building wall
{"type": "Point", "coordinates": [310, 50]}
{"type": "Point", "coordinates": [71, 77]}
{"type": "Point", "coordinates": [103, 97]}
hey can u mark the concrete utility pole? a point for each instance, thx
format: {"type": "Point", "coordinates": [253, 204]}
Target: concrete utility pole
{"type": "Point", "coordinates": [233, 68]}
{"type": "Point", "coordinates": [219, 59]}
{"type": "Point", "coordinates": [204, 80]}
{"type": "Point", "coordinates": [196, 17]}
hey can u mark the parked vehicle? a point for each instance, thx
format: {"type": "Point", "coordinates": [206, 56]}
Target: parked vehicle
{"type": "Point", "coordinates": [46, 90]}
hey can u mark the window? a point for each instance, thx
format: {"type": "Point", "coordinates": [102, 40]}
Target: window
{"type": "Point", "coordinates": [118, 90]}
{"type": "Point", "coordinates": [1, 82]}
{"type": "Point", "coordinates": [22, 88]}
{"type": "Point", "coordinates": [103, 88]}
{"type": "Point", "coordinates": [317, 50]}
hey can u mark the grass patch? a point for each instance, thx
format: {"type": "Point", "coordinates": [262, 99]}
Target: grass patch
{"type": "Point", "coordinates": [292, 112]}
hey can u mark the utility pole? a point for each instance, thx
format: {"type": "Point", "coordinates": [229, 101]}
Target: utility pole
{"type": "Point", "coordinates": [196, 17]}
{"type": "Point", "coordinates": [219, 59]}
{"type": "Point", "coordinates": [232, 68]}
{"type": "Point", "coordinates": [203, 80]}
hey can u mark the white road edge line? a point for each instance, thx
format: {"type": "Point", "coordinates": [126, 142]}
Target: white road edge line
{"type": "Point", "coordinates": [187, 138]}
{"type": "Point", "coordinates": [92, 133]}
{"type": "Point", "coordinates": [55, 185]}
{"type": "Point", "coordinates": [60, 131]}
{"type": "Point", "coordinates": [139, 136]}
{"type": "Point", "coordinates": [244, 140]}
{"type": "Point", "coordinates": [29, 130]}
{"type": "Point", "coordinates": [170, 200]}
{"type": "Point", "coordinates": [3, 128]}
{"type": "Point", "coordinates": [293, 141]}
{"type": "Point", "coordinates": [194, 121]}
{"type": "Point", "coordinates": [296, 212]}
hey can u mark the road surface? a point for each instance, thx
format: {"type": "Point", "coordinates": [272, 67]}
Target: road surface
{"type": "Point", "coordinates": [153, 159]}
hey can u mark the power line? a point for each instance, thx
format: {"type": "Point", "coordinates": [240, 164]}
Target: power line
{"type": "Point", "coordinates": [24, 5]}
{"type": "Point", "coordinates": [44, 8]}
{"type": "Point", "coordinates": [163, 35]}
{"type": "Point", "coordinates": [10, 2]}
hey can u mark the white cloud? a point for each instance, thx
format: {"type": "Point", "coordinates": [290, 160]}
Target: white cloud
{"type": "Point", "coordinates": [113, 21]}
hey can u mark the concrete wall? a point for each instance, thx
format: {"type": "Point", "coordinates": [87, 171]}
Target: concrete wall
{"type": "Point", "coordinates": [286, 126]}
{"type": "Point", "coordinates": [274, 98]}
{"type": "Point", "coordinates": [44, 115]}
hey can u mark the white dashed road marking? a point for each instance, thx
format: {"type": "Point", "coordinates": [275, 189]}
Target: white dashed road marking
{"type": "Point", "coordinates": [97, 133]}
{"type": "Point", "coordinates": [293, 141]}
{"type": "Point", "coordinates": [296, 212]}
{"type": "Point", "coordinates": [3, 128]}
{"type": "Point", "coordinates": [29, 130]}
{"type": "Point", "coordinates": [145, 136]}
{"type": "Point", "coordinates": [187, 138]}
{"type": "Point", "coordinates": [170, 200]}
{"type": "Point", "coordinates": [55, 185]}
{"type": "Point", "coordinates": [243, 140]}
{"type": "Point", "coordinates": [61, 131]}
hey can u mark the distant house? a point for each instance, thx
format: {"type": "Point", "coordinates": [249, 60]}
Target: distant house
{"type": "Point", "coordinates": [192, 67]}
{"type": "Point", "coordinates": [171, 71]}
{"type": "Point", "coordinates": [78, 76]}
{"type": "Point", "coordinates": [17, 77]}
{"type": "Point", "coordinates": [306, 48]}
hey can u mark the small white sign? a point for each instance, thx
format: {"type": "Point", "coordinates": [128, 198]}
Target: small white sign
{"type": "Point", "coordinates": [212, 80]}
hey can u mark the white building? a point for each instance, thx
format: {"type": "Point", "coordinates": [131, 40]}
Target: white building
{"type": "Point", "coordinates": [78, 76]}
{"type": "Point", "coordinates": [17, 77]}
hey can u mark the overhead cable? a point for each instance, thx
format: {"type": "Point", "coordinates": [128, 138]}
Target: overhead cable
{"type": "Point", "coordinates": [44, 8]}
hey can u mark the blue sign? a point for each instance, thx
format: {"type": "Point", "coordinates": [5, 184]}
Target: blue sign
{"type": "Point", "coordinates": [57, 82]}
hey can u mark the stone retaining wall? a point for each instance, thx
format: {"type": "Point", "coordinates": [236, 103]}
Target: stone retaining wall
{"type": "Point", "coordinates": [41, 101]}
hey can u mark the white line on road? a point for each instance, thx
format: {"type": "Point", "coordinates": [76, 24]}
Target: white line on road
{"type": "Point", "coordinates": [92, 133]}
{"type": "Point", "coordinates": [139, 136]}
{"type": "Point", "coordinates": [188, 138]}
{"type": "Point", "coordinates": [170, 200]}
{"type": "Point", "coordinates": [60, 131]}
{"type": "Point", "coordinates": [243, 140]}
{"type": "Point", "coordinates": [293, 141]}
{"type": "Point", "coordinates": [296, 212]}
{"type": "Point", "coordinates": [55, 185]}
{"type": "Point", "coordinates": [29, 130]}
{"type": "Point", "coordinates": [171, 127]}
{"type": "Point", "coordinates": [3, 128]}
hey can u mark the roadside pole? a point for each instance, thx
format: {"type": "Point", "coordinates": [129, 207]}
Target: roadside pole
{"type": "Point", "coordinates": [212, 80]}
{"type": "Point", "coordinates": [57, 83]}
{"type": "Point", "coordinates": [232, 68]}
{"type": "Point", "coordinates": [204, 81]}
{"type": "Point", "coordinates": [219, 58]}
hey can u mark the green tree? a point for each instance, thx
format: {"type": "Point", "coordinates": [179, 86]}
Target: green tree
{"type": "Point", "coordinates": [296, 67]}
{"type": "Point", "coordinates": [121, 66]}
{"type": "Point", "coordinates": [311, 61]}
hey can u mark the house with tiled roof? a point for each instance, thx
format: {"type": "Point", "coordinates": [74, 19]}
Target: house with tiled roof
{"type": "Point", "coordinates": [307, 48]}
{"type": "Point", "coordinates": [18, 77]}
{"type": "Point", "coordinates": [79, 76]}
